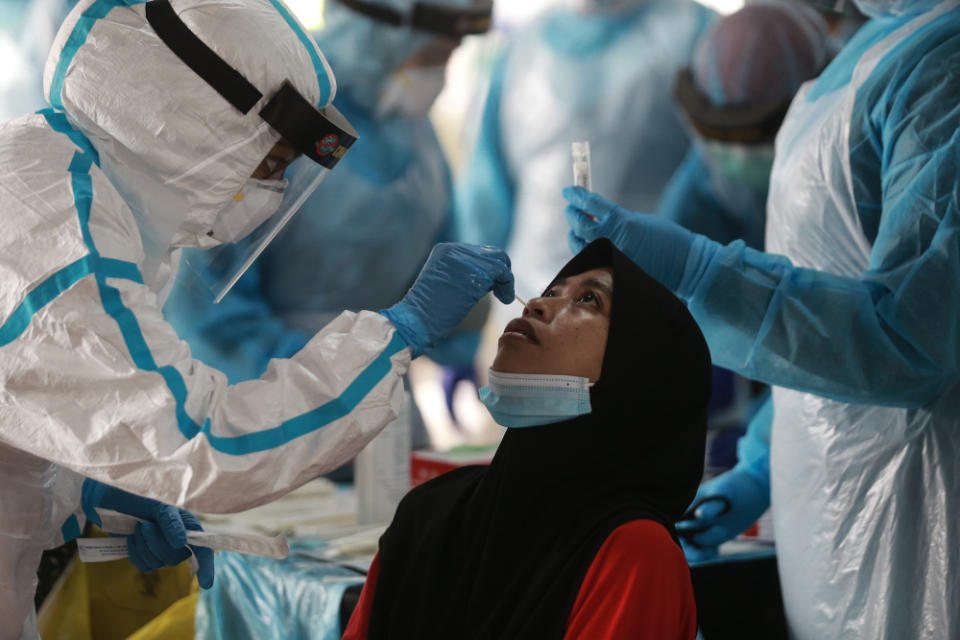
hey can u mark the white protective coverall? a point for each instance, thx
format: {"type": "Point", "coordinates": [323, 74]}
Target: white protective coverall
{"type": "Point", "coordinates": [137, 157]}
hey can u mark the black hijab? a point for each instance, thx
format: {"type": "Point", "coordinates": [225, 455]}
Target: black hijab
{"type": "Point", "coordinates": [501, 551]}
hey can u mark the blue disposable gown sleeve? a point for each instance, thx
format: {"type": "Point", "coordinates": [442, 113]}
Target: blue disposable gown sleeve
{"type": "Point", "coordinates": [484, 194]}
{"type": "Point", "coordinates": [240, 335]}
{"type": "Point", "coordinates": [891, 337]}
{"type": "Point", "coordinates": [688, 201]}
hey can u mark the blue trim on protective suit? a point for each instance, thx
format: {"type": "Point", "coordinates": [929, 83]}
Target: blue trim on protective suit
{"type": "Point", "coordinates": [303, 424]}
{"type": "Point", "coordinates": [323, 81]}
{"type": "Point", "coordinates": [59, 123]}
{"type": "Point", "coordinates": [78, 37]}
{"type": "Point", "coordinates": [70, 529]}
{"type": "Point", "coordinates": [48, 290]}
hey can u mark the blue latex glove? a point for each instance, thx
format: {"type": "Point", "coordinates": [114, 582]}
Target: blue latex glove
{"type": "Point", "coordinates": [658, 246]}
{"type": "Point", "coordinates": [159, 541]}
{"type": "Point", "coordinates": [453, 279]}
{"type": "Point", "coordinates": [748, 496]}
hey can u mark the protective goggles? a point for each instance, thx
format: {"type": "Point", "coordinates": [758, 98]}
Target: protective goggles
{"type": "Point", "coordinates": [752, 124]}
{"type": "Point", "coordinates": [321, 136]}
{"type": "Point", "coordinates": [438, 19]}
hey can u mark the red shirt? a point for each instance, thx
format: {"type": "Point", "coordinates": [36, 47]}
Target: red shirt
{"type": "Point", "coordinates": [638, 587]}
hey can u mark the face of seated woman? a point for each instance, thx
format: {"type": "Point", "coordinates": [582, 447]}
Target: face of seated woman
{"type": "Point", "coordinates": [564, 331]}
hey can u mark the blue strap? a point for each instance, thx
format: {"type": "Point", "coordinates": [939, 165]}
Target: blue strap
{"type": "Point", "coordinates": [77, 38]}
{"type": "Point", "coordinates": [323, 81]}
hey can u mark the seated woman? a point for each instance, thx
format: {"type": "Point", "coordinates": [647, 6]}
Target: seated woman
{"type": "Point", "coordinates": [569, 532]}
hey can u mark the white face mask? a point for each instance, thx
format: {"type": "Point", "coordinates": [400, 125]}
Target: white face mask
{"type": "Point", "coordinates": [411, 92]}
{"type": "Point", "coordinates": [257, 201]}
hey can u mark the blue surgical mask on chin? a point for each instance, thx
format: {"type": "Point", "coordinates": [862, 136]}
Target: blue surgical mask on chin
{"type": "Point", "coordinates": [528, 399]}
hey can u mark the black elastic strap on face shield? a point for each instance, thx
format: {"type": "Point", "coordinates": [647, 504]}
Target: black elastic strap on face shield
{"type": "Point", "coordinates": [753, 124]}
{"type": "Point", "coordinates": [454, 22]}
{"type": "Point", "coordinates": [323, 135]}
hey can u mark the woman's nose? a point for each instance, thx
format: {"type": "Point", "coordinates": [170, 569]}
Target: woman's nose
{"type": "Point", "coordinates": [539, 308]}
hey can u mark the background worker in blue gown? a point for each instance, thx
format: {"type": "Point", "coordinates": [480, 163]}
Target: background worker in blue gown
{"type": "Point", "coordinates": [363, 249]}
{"type": "Point", "coordinates": [853, 314]}
{"type": "Point", "coordinates": [746, 70]}
{"type": "Point", "coordinates": [594, 70]}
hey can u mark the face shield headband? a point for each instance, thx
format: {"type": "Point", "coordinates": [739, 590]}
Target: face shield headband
{"type": "Point", "coordinates": [321, 136]}
{"type": "Point", "coordinates": [753, 124]}
{"type": "Point", "coordinates": [437, 19]}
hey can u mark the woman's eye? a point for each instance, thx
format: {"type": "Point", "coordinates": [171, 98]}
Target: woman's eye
{"type": "Point", "coordinates": [550, 294]}
{"type": "Point", "coordinates": [589, 298]}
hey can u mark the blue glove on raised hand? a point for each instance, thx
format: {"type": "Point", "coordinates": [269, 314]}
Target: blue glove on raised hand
{"type": "Point", "coordinates": [728, 505]}
{"type": "Point", "coordinates": [453, 279]}
{"type": "Point", "coordinates": [161, 540]}
{"type": "Point", "coordinates": [658, 246]}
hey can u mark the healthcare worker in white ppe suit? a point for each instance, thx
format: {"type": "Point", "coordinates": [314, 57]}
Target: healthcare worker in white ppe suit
{"type": "Point", "coordinates": [854, 316]}
{"type": "Point", "coordinates": [173, 125]}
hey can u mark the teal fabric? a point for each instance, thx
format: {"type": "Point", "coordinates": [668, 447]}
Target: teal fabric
{"type": "Point", "coordinates": [896, 330]}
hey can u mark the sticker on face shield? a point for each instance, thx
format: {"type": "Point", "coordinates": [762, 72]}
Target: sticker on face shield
{"type": "Point", "coordinates": [328, 144]}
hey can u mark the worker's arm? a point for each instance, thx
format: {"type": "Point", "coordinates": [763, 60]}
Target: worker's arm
{"type": "Point", "coordinates": [891, 336]}
{"type": "Point", "coordinates": [113, 393]}
{"type": "Point", "coordinates": [888, 336]}
{"type": "Point", "coordinates": [240, 334]}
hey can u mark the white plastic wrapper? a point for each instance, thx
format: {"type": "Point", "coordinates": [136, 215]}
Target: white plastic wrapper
{"type": "Point", "coordinates": [106, 549]}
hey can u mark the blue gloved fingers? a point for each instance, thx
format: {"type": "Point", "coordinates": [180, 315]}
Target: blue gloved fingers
{"type": "Point", "coordinates": [140, 555]}
{"type": "Point", "coordinates": [159, 545]}
{"type": "Point", "coordinates": [91, 493]}
{"type": "Point", "coordinates": [697, 554]}
{"type": "Point", "coordinates": [589, 203]}
{"type": "Point", "coordinates": [575, 242]}
{"type": "Point", "coordinates": [498, 269]}
{"type": "Point", "coordinates": [203, 555]}
{"type": "Point", "coordinates": [170, 523]}
{"type": "Point", "coordinates": [710, 509]}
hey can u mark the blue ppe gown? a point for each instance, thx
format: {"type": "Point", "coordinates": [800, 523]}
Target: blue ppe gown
{"type": "Point", "coordinates": [606, 78]}
{"type": "Point", "coordinates": [857, 322]}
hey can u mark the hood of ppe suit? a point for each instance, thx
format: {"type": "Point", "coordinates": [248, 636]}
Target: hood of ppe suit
{"type": "Point", "coordinates": [365, 51]}
{"type": "Point", "coordinates": [761, 54]}
{"type": "Point", "coordinates": [175, 148]}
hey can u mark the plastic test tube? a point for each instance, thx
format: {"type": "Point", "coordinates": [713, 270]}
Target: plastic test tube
{"type": "Point", "coordinates": [581, 165]}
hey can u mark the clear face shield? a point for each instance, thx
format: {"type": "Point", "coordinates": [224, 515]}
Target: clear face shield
{"type": "Point", "coordinates": [264, 206]}
{"type": "Point", "coordinates": [318, 137]}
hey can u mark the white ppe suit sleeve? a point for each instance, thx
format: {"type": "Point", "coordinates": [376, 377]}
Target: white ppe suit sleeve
{"type": "Point", "coordinates": [106, 388]}
{"type": "Point", "coordinates": [67, 507]}
{"type": "Point", "coordinates": [891, 337]}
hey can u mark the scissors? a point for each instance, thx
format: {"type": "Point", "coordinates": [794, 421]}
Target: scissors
{"type": "Point", "coordinates": [688, 533]}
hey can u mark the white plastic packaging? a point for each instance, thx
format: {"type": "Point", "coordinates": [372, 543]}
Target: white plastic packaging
{"type": "Point", "coordinates": [382, 470]}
